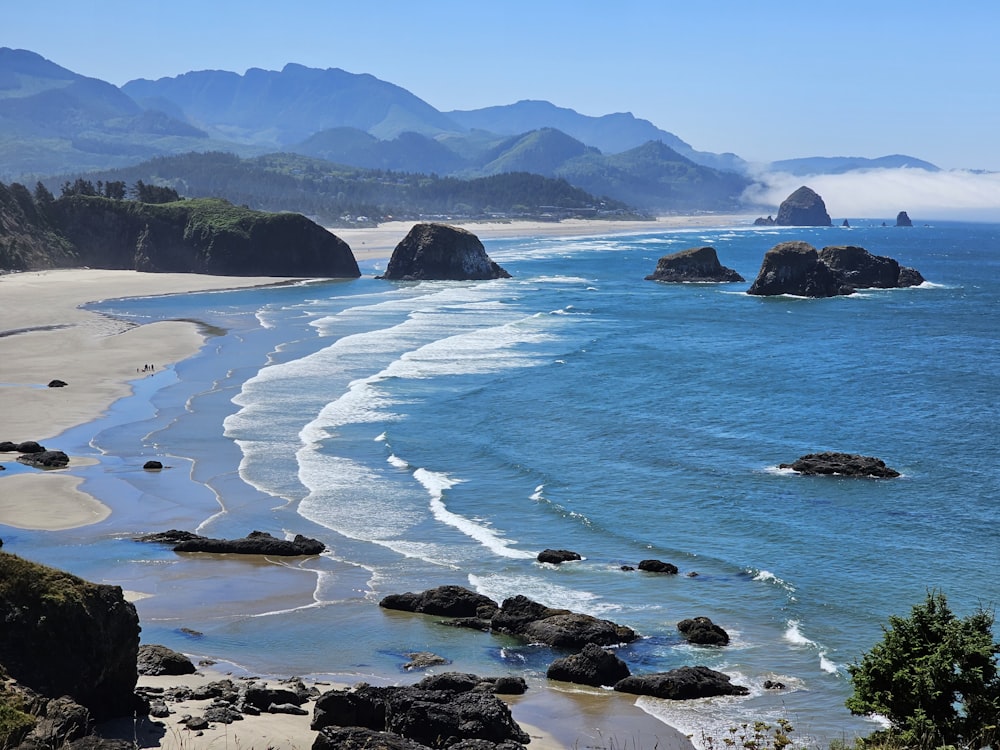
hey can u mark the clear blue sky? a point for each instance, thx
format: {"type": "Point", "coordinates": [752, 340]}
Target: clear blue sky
{"type": "Point", "coordinates": [766, 80]}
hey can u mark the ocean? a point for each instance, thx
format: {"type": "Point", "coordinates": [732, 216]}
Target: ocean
{"type": "Point", "coordinates": [445, 432]}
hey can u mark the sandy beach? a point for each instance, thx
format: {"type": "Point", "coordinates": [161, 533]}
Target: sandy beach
{"type": "Point", "coordinates": [45, 335]}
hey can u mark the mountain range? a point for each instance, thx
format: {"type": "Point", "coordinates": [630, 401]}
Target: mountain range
{"type": "Point", "coordinates": [54, 121]}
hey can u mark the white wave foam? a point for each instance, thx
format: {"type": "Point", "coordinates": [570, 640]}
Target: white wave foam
{"type": "Point", "coordinates": [826, 665]}
{"type": "Point", "coordinates": [767, 576]}
{"type": "Point", "coordinates": [794, 635]}
{"type": "Point", "coordinates": [500, 586]}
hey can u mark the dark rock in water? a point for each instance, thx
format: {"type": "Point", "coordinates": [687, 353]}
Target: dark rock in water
{"type": "Point", "coordinates": [557, 556]}
{"type": "Point", "coordinates": [846, 223]}
{"type": "Point", "coordinates": [910, 277]}
{"type": "Point", "coordinates": [773, 685]}
{"type": "Point", "coordinates": [29, 446]}
{"type": "Point", "coordinates": [152, 466]}
{"type": "Point", "coordinates": [435, 718]}
{"type": "Point", "coordinates": [361, 738]}
{"type": "Point", "coordinates": [154, 659]}
{"type": "Point", "coordinates": [6, 446]}
{"type": "Point", "coordinates": [803, 208]}
{"type": "Point", "coordinates": [461, 682]}
{"type": "Point", "coordinates": [593, 666]}
{"type": "Point", "coordinates": [627, 568]}
{"type": "Point", "coordinates": [439, 251]}
{"type": "Point", "coordinates": [63, 635]}
{"type": "Point", "coordinates": [684, 683]}
{"type": "Point", "coordinates": [574, 631]}
{"type": "Point", "coordinates": [902, 220]}
{"type": "Point", "coordinates": [862, 270]}
{"type": "Point", "coordinates": [841, 464]}
{"type": "Point", "coordinates": [760, 221]}
{"type": "Point", "coordinates": [254, 543]}
{"type": "Point", "coordinates": [449, 601]}
{"type": "Point", "coordinates": [423, 660]}
{"type": "Point", "coordinates": [45, 459]}
{"type": "Point", "coordinates": [57, 384]}
{"type": "Point", "coordinates": [658, 566]}
{"type": "Point", "coordinates": [795, 268]}
{"type": "Point", "coordinates": [173, 536]}
{"type": "Point", "coordinates": [701, 631]}
{"type": "Point", "coordinates": [694, 264]}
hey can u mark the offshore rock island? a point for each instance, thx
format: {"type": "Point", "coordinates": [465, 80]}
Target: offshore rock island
{"type": "Point", "coordinates": [442, 252]}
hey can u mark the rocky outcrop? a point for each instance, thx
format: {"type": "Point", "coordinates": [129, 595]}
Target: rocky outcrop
{"type": "Point", "coordinates": [841, 464]}
{"type": "Point", "coordinates": [593, 666]}
{"type": "Point", "coordinates": [29, 446]}
{"type": "Point", "coordinates": [902, 220]}
{"type": "Point", "coordinates": [440, 251]}
{"type": "Point", "coordinates": [701, 631]}
{"type": "Point", "coordinates": [57, 383]}
{"type": "Point", "coordinates": [803, 208]}
{"type": "Point", "coordinates": [684, 683]}
{"type": "Point", "coordinates": [658, 566]}
{"type": "Point", "coordinates": [152, 465]}
{"type": "Point", "coordinates": [862, 270]}
{"type": "Point", "coordinates": [696, 264]}
{"type": "Point", "coordinates": [62, 635]}
{"type": "Point", "coordinates": [44, 459]}
{"type": "Point", "coordinates": [254, 543]}
{"type": "Point", "coordinates": [448, 601]}
{"type": "Point", "coordinates": [435, 718]}
{"type": "Point", "coordinates": [760, 221]}
{"type": "Point", "coordinates": [154, 659]}
{"type": "Point", "coordinates": [557, 556]}
{"type": "Point", "coordinates": [795, 268]}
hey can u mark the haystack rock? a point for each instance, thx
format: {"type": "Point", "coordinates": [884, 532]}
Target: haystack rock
{"type": "Point", "coordinates": [902, 220]}
{"type": "Point", "coordinates": [693, 264]}
{"type": "Point", "coordinates": [803, 208]}
{"type": "Point", "coordinates": [795, 268]}
{"type": "Point", "coordinates": [862, 270]}
{"type": "Point", "coordinates": [441, 252]}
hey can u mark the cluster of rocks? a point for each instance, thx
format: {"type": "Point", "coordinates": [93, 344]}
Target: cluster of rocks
{"type": "Point", "coordinates": [591, 663]}
{"type": "Point", "coordinates": [841, 464]}
{"type": "Point", "coordinates": [254, 543]}
{"type": "Point", "coordinates": [34, 454]}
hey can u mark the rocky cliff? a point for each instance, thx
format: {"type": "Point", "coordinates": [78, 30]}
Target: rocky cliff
{"type": "Point", "coordinates": [199, 236]}
{"type": "Point", "coordinates": [439, 251]}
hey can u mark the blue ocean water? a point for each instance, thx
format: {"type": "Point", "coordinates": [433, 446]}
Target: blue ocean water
{"type": "Point", "coordinates": [445, 432]}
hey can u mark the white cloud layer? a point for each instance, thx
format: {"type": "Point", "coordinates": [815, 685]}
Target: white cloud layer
{"type": "Point", "coordinates": [883, 193]}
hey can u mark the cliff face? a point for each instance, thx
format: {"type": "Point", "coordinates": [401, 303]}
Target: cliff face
{"type": "Point", "coordinates": [61, 635]}
{"type": "Point", "coordinates": [199, 236]}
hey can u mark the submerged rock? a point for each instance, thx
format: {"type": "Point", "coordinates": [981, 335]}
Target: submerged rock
{"type": "Point", "coordinates": [695, 264]}
{"type": "Point", "coordinates": [803, 208]}
{"type": "Point", "coordinates": [440, 251]}
{"type": "Point", "coordinates": [841, 464]}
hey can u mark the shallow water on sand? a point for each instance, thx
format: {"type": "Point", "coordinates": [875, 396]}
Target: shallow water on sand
{"type": "Point", "coordinates": [436, 433]}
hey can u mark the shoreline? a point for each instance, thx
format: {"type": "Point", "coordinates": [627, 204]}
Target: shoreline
{"type": "Point", "coordinates": [46, 335]}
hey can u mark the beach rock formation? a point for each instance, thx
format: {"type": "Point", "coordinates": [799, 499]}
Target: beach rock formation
{"type": "Point", "coordinates": [701, 631]}
{"type": "Point", "coordinates": [803, 208]}
{"type": "Point", "coordinates": [44, 459]}
{"type": "Point", "coordinates": [154, 659]}
{"type": "Point", "coordinates": [152, 466]}
{"type": "Point", "coordinates": [440, 251]}
{"type": "Point", "coordinates": [254, 543]}
{"type": "Point", "coordinates": [760, 221]}
{"type": "Point", "coordinates": [6, 446]}
{"type": "Point", "coordinates": [447, 601]}
{"type": "Point", "coordinates": [63, 635]}
{"type": "Point", "coordinates": [361, 738]}
{"type": "Point", "coordinates": [29, 446]}
{"type": "Point", "coordinates": [57, 383]}
{"type": "Point", "coordinates": [695, 264]}
{"type": "Point", "coordinates": [463, 681]}
{"type": "Point", "coordinates": [593, 666]}
{"type": "Point", "coordinates": [862, 270]}
{"type": "Point", "coordinates": [658, 566]}
{"type": "Point", "coordinates": [841, 464]}
{"type": "Point", "coordinates": [557, 556]}
{"type": "Point", "coordinates": [902, 220]}
{"type": "Point", "coordinates": [436, 718]}
{"type": "Point", "coordinates": [795, 268]}
{"type": "Point", "coordinates": [684, 683]}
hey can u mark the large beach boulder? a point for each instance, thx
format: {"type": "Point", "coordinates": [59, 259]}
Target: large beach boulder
{"type": "Point", "coordinates": [557, 556]}
{"type": "Point", "coordinates": [684, 683]}
{"type": "Point", "coordinates": [795, 268]}
{"type": "Point", "coordinates": [254, 543]}
{"type": "Point", "coordinates": [803, 208]}
{"type": "Point", "coordinates": [841, 464]}
{"type": "Point", "coordinates": [62, 635]}
{"type": "Point", "coordinates": [449, 601]}
{"type": "Point", "coordinates": [440, 251]}
{"type": "Point", "coordinates": [694, 264]}
{"type": "Point", "coordinates": [45, 459]}
{"type": "Point", "coordinates": [154, 659]}
{"type": "Point", "coordinates": [593, 666]}
{"type": "Point", "coordinates": [862, 270]}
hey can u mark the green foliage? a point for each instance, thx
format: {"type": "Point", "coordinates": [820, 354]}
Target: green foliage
{"type": "Point", "coordinates": [934, 677]}
{"type": "Point", "coordinates": [15, 722]}
{"type": "Point", "coordinates": [756, 736]}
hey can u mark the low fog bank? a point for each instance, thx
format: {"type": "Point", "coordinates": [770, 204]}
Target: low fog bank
{"type": "Point", "coordinates": [882, 193]}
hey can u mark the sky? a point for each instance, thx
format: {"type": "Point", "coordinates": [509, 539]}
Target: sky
{"type": "Point", "coordinates": [767, 81]}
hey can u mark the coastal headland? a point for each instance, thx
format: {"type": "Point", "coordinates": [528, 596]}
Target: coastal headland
{"type": "Point", "coordinates": [45, 335]}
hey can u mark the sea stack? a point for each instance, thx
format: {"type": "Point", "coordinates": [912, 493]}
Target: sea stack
{"type": "Point", "coordinates": [902, 220]}
{"type": "Point", "coordinates": [441, 252]}
{"type": "Point", "coordinates": [693, 264]}
{"type": "Point", "coordinates": [803, 208]}
{"type": "Point", "coordinates": [796, 268]}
